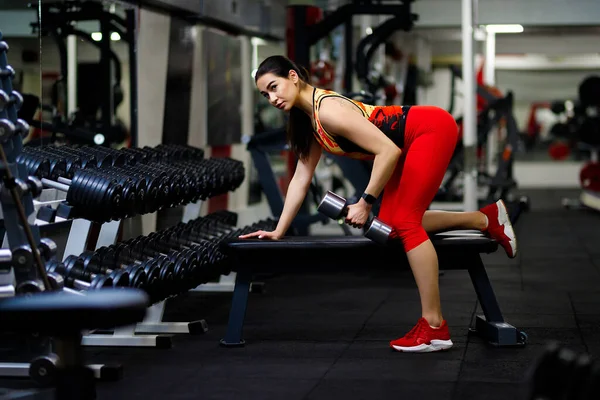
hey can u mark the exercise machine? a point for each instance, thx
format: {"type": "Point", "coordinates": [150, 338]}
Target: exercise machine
{"type": "Point", "coordinates": [496, 112]}
{"type": "Point", "coordinates": [587, 133]}
{"type": "Point", "coordinates": [56, 19]}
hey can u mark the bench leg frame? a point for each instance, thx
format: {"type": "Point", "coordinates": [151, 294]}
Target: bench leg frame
{"type": "Point", "coordinates": [491, 326]}
{"type": "Point", "coordinates": [237, 313]}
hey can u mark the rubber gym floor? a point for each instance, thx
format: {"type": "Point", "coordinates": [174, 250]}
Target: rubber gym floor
{"type": "Point", "coordinates": [326, 336]}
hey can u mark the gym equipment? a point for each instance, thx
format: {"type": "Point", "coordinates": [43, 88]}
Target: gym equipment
{"type": "Point", "coordinates": [26, 272]}
{"type": "Point", "coordinates": [369, 44]}
{"type": "Point", "coordinates": [456, 250]}
{"type": "Point", "coordinates": [57, 19]}
{"type": "Point", "coordinates": [336, 207]}
{"type": "Point", "coordinates": [497, 110]}
{"type": "Point", "coordinates": [586, 122]}
{"type": "Point", "coordinates": [104, 184]}
{"type": "Point", "coordinates": [560, 373]}
{"type": "Point", "coordinates": [40, 313]}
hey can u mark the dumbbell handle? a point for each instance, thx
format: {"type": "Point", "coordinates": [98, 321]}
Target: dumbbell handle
{"type": "Point", "coordinates": [55, 185]}
{"type": "Point", "coordinates": [335, 207]}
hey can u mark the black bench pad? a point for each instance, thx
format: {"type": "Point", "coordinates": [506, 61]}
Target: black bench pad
{"type": "Point", "coordinates": [456, 241]}
{"type": "Point", "coordinates": [59, 312]}
{"type": "Point", "coordinates": [256, 255]}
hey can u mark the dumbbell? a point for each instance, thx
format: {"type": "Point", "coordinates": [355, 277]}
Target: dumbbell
{"type": "Point", "coordinates": [123, 275]}
{"type": "Point", "coordinates": [72, 277]}
{"type": "Point", "coordinates": [160, 270]}
{"type": "Point", "coordinates": [93, 195]}
{"type": "Point", "coordinates": [335, 207]}
{"type": "Point", "coordinates": [9, 129]}
{"type": "Point", "coordinates": [153, 246]}
{"type": "Point", "coordinates": [88, 270]}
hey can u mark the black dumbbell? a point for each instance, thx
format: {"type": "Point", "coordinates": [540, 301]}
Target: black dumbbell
{"type": "Point", "coordinates": [335, 207]}
{"type": "Point", "coordinates": [9, 129]}
{"type": "Point", "coordinates": [93, 195]}
{"type": "Point", "coordinates": [149, 247]}
{"type": "Point", "coordinates": [159, 270]}
{"type": "Point", "coordinates": [123, 275]}
{"type": "Point", "coordinates": [13, 99]}
{"type": "Point", "coordinates": [86, 268]}
{"type": "Point", "coordinates": [72, 277]}
{"type": "Point", "coordinates": [7, 73]}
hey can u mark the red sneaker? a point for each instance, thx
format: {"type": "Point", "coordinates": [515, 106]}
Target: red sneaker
{"type": "Point", "coordinates": [499, 227]}
{"type": "Point", "coordinates": [424, 339]}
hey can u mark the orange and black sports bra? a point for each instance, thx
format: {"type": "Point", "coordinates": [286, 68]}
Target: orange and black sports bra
{"type": "Point", "coordinates": [391, 120]}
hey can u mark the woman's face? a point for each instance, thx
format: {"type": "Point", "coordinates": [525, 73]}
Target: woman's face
{"type": "Point", "coordinates": [281, 92]}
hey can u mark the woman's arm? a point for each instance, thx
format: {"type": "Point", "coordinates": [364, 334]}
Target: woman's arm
{"type": "Point", "coordinates": [342, 120]}
{"type": "Point", "coordinates": [296, 193]}
{"type": "Point", "coordinates": [298, 188]}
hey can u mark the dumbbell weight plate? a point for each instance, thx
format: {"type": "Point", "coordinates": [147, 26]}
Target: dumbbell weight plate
{"type": "Point", "coordinates": [101, 282]}
{"type": "Point", "coordinates": [137, 277]}
{"type": "Point", "coordinates": [120, 278]}
{"type": "Point", "coordinates": [42, 370]}
{"type": "Point", "coordinates": [29, 287]}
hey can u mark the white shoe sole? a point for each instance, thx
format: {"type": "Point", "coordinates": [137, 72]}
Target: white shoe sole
{"type": "Point", "coordinates": [436, 345]}
{"type": "Point", "coordinates": [504, 220]}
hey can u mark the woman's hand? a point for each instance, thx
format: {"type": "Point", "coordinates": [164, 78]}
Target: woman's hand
{"type": "Point", "coordinates": [274, 235]}
{"type": "Point", "coordinates": [358, 214]}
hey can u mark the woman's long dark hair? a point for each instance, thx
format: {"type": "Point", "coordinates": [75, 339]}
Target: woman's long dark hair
{"type": "Point", "coordinates": [299, 125]}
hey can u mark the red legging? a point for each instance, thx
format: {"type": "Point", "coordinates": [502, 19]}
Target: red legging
{"type": "Point", "coordinates": [431, 135]}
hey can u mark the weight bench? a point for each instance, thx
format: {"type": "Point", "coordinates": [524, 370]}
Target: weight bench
{"type": "Point", "coordinates": [298, 254]}
{"type": "Point", "coordinates": [63, 317]}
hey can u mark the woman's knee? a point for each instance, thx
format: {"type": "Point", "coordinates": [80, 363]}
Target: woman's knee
{"type": "Point", "coordinates": [411, 235]}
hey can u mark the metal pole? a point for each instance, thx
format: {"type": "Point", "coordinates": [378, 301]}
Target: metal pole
{"type": "Point", "coordinates": [133, 83]}
{"type": "Point", "coordinates": [489, 77]}
{"type": "Point", "coordinates": [71, 105]}
{"type": "Point", "coordinates": [470, 201]}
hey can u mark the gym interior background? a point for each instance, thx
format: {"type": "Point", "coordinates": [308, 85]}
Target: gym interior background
{"type": "Point", "coordinates": [172, 82]}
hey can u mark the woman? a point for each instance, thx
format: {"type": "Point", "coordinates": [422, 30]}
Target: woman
{"type": "Point", "coordinates": [410, 148]}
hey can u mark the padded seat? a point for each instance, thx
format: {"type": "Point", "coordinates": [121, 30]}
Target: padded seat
{"type": "Point", "coordinates": [454, 240]}
{"type": "Point", "coordinates": [53, 313]}
{"type": "Point", "coordinates": [298, 253]}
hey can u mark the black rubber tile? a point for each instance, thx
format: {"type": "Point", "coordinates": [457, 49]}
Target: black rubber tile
{"type": "Point", "coordinates": [148, 381]}
{"type": "Point", "coordinates": [313, 316]}
{"type": "Point", "coordinates": [284, 349]}
{"type": "Point", "coordinates": [541, 320]}
{"type": "Point", "coordinates": [485, 370]}
{"type": "Point", "coordinates": [329, 389]}
{"type": "Point", "coordinates": [545, 335]}
{"type": "Point", "coordinates": [587, 307]}
{"type": "Point", "coordinates": [244, 388]}
{"type": "Point", "coordinates": [404, 367]}
{"type": "Point", "coordinates": [300, 330]}
{"type": "Point", "coordinates": [527, 302]}
{"type": "Point", "coordinates": [480, 352]}
{"type": "Point", "coordinates": [397, 312]}
{"type": "Point", "coordinates": [490, 391]}
{"type": "Point", "coordinates": [380, 349]}
{"type": "Point", "coordinates": [263, 368]}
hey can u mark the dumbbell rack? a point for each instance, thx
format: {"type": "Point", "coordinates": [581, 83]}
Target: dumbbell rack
{"type": "Point", "coordinates": [152, 331]}
{"type": "Point", "coordinates": [18, 250]}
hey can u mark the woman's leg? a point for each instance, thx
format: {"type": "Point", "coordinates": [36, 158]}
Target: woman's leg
{"type": "Point", "coordinates": [409, 193]}
{"type": "Point", "coordinates": [439, 221]}
{"type": "Point", "coordinates": [492, 219]}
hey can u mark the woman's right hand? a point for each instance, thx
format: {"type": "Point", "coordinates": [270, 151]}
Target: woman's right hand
{"type": "Point", "coordinates": [262, 235]}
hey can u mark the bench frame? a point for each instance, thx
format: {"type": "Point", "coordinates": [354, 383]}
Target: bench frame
{"type": "Point", "coordinates": [490, 326]}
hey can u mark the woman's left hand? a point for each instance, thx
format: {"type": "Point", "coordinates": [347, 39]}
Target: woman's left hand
{"type": "Point", "coordinates": [358, 214]}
